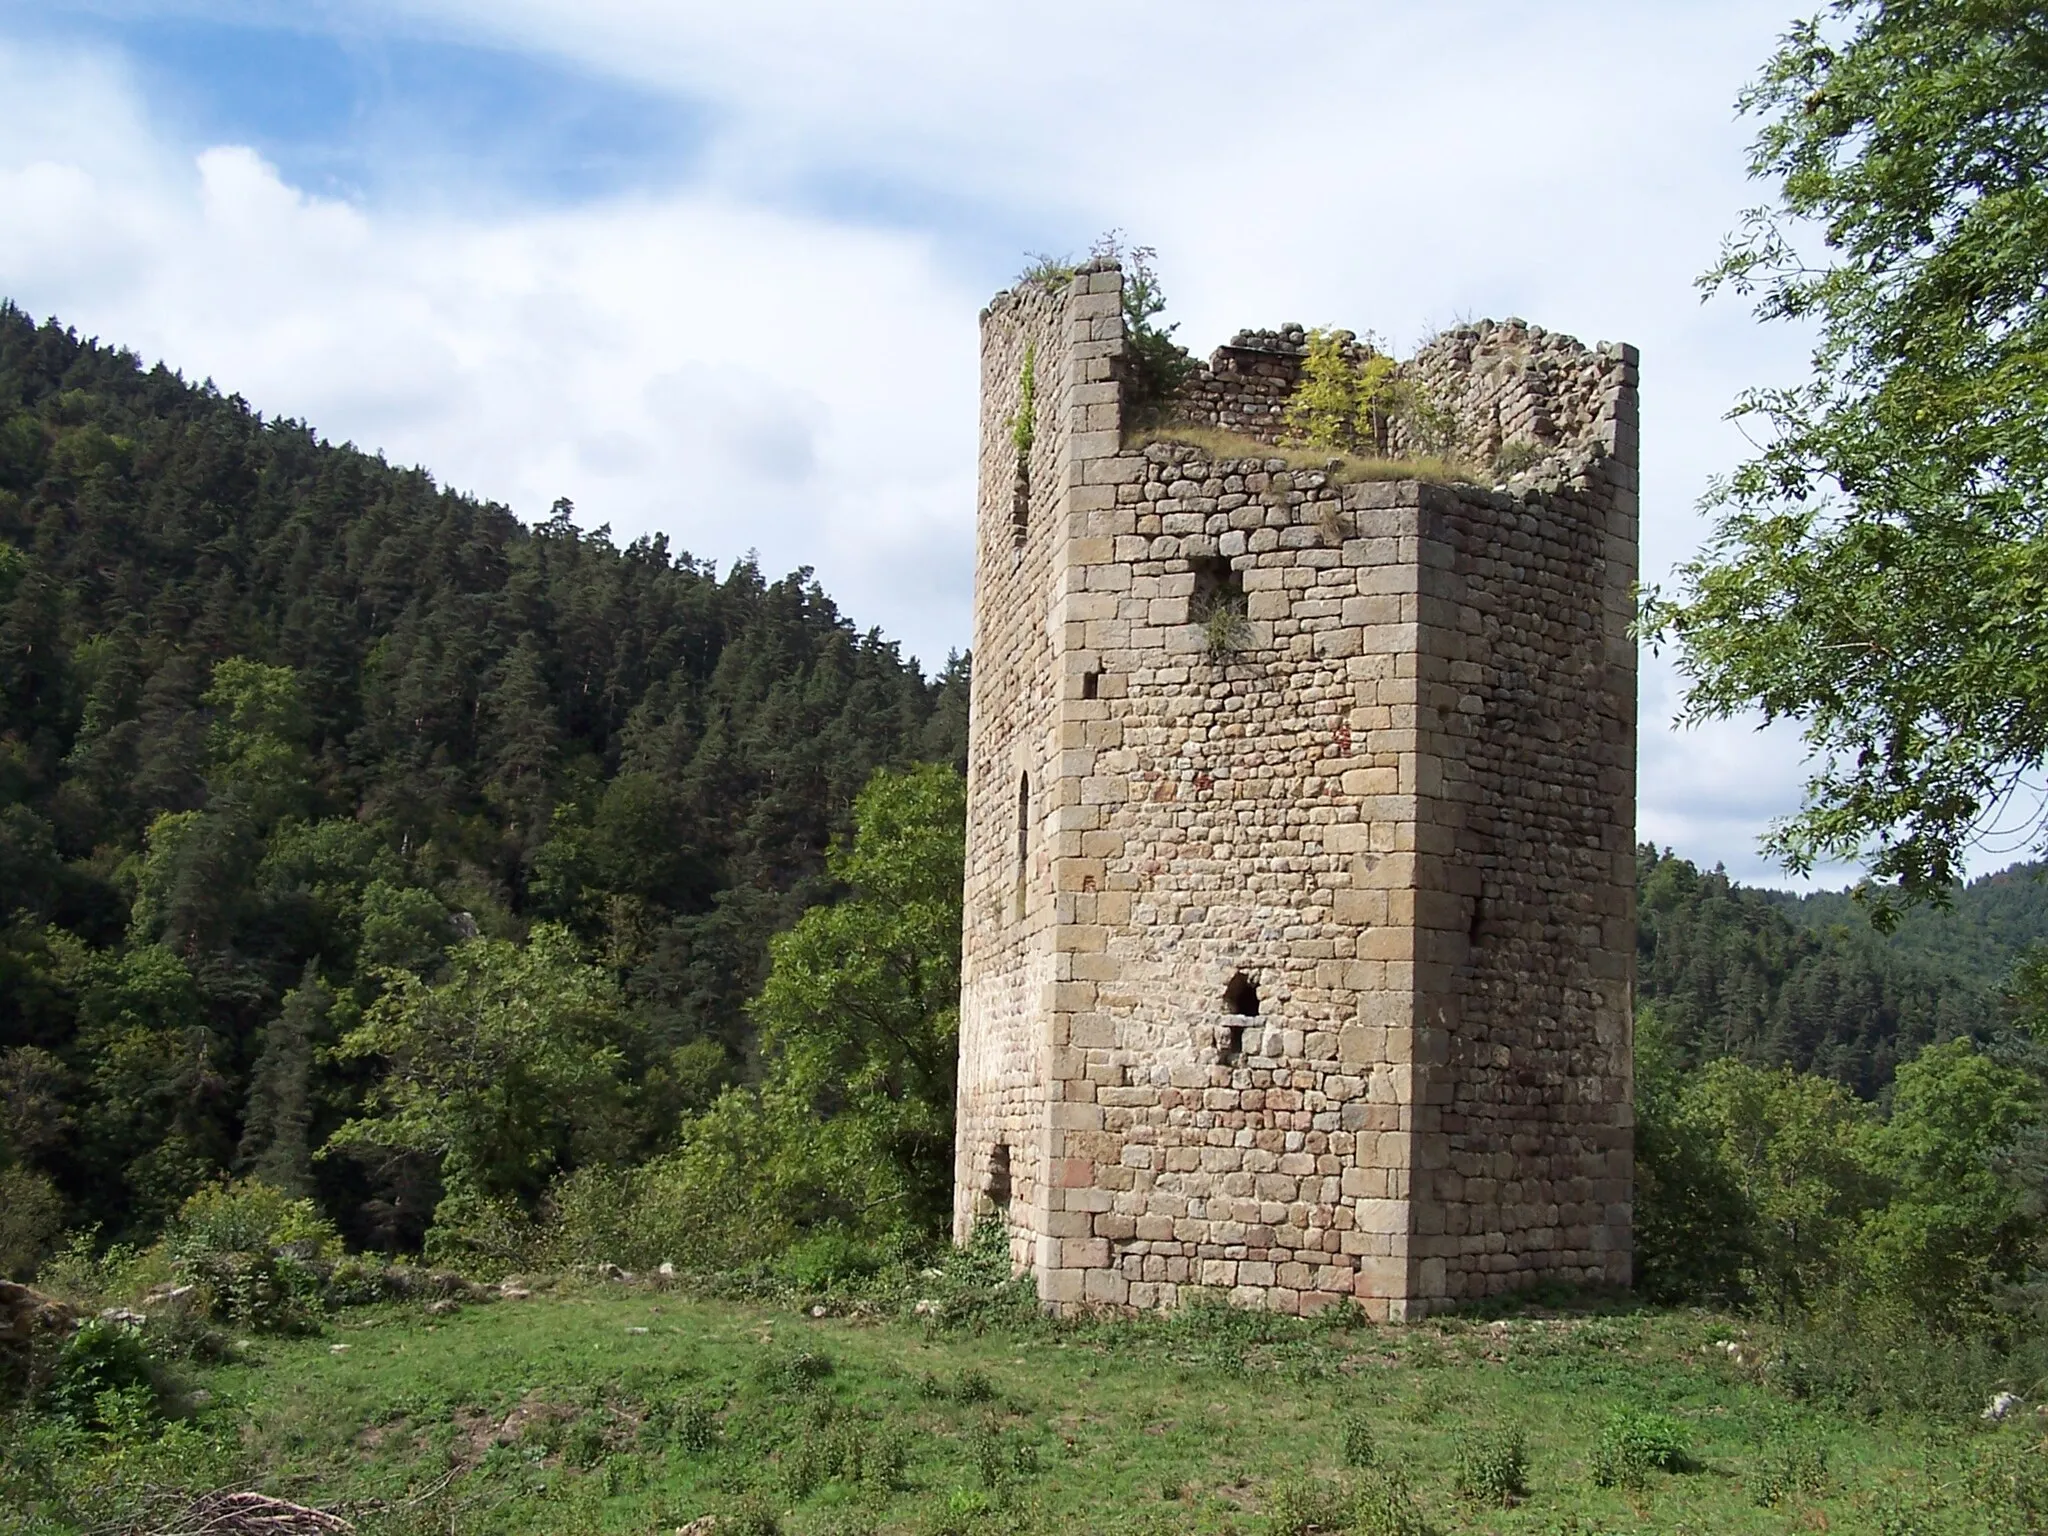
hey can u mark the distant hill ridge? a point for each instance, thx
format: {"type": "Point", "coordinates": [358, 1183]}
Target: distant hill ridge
{"type": "Point", "coordinates": [1778, 977]}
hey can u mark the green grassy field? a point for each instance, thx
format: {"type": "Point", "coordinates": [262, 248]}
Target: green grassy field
{"type": "Point", "coordinates": [606, 1407]}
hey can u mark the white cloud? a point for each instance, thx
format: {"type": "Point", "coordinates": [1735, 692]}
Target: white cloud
{"type": "Point", "coordinates": [760, 358]}
{"type": "Point", "coordinates": [678, 363]}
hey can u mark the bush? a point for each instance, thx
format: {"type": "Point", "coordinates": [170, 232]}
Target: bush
{"type": "Point", "coordinates": [975, 1287]}
{"type": "Point", "coordinates": [105, 1378]}
{"type": "Point", "coordinates": [254, 1250]}
{"type": "Point", "coordinates": [2009, 1482]}
{"type": "Point", "coordinates": [1791, 1460]}
{"type": "Point", "coordinates": [248, 1217]}
{"type": "Point", "coordinates": [1359, 1446]}
{"type": "Point", "coordinates": [89, 1279]}
{"type": "Point", "coordinates": [990, 1459]}
{"type": "Point", "coordinates": [1306, 1506]}
{"type": "Point", "coordinates": [695, 1426]}
{"type": "Point", "coordinates": [1632, 1445]}
{"type": "Point", "coordinates": [974, 1387]}
{"type": "Point", "coordinates": [1384, 1507]}
{"type": "Point", "coordinates": [1491, 1466]}
{"type": "Point", "coordinates": [827, 1259]}
{"type": "Point", "coordinates": [1871, 1365]}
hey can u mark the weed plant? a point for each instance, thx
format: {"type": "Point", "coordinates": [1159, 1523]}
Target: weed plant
{"type": "Point", "coordinates": [1792, 1460]}
{"type": "Point", "coordinates": [1384, 1506]}
{"type": "Point", "coordinates": [1360, 1446]}
{"type": "Point", "coordinates": [1305, 1506]}
{"type": "Point", "coordinates": [1634, 1444]}
{"type": "Point", "coordinates": [1491, 1466]}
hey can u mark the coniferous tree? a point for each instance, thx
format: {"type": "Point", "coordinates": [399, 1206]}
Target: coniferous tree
{"type": "Point", "coordinates": [277, 1147]}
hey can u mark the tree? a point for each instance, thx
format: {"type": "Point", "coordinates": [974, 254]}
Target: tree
{"type": "Point", "coordinates": [1794, 1144]}
{"type": "Point", "coordinates": [503, 1075]}
{"type": "Point", "coordinates": [1692, 1220]}
{"type": "Point", "coordinates": [1953, 1231]}
{"type": "Point", "coordinates": [1878, 569]}
{"type": "Point", "coordinates": [277, 1123]}
{"type": "Point", "coordinates": [861, 1009]}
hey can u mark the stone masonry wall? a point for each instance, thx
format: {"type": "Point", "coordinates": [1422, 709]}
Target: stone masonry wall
{"type": "Point", "coordinates": [1009, 964]}
{"type": "Point", "coordinates": [1502, 383]}
{"type": "Point", "coordinates": [1394, 803]}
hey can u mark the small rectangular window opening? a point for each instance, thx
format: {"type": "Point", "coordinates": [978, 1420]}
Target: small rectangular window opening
{"type": "Point", "coordinates": [1091, 683]}
{"type": "Point", "coordinates": [1218, 583]}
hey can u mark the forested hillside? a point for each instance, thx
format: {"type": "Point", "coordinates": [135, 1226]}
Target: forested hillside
{"type": "Point", "coordinates": [279, 721]}
{"type": "Point", "coordinates": [1774, 978]}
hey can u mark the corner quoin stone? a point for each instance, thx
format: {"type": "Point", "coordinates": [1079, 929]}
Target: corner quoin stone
{"type": "Point", "coordinates": [1299, 970]}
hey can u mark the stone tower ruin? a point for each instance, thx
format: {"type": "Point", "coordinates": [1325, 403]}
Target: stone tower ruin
{"type": "Point", "coordinates": [1300, 851]}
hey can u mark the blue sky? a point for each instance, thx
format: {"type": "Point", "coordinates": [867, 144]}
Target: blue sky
{"type": "Point", "coordinates": [714, 271]}
{"type": "Point", "coordinates": [384, 112]}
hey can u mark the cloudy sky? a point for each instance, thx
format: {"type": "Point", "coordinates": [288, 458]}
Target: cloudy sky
{"type": "Point", "coordinates": [713, 270]}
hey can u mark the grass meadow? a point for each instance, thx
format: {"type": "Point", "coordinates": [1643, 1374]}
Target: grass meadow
{"type": "Point", "coordinates": [594, 1406]}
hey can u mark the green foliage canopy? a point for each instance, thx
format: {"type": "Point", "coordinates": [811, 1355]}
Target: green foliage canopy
{"type": "Point", "coordinates": [1878, 569]}
{"type": "Point", "coordinates": [504, 1074]}
{"type": "Point", "coordinates": [860, 1013]}
{"type": "Point", "coordinates": [280, 721]}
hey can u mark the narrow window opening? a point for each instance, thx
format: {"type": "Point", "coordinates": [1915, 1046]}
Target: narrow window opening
{"type": "Point", "coordinates": [1091, 684]}
{"type": "Point", "coordinates": [999, 1177]}
{"type": "Point", "coordinates": [1478, 918]}
{"type": "Point", "coordinates": [1216, 581]}
{"type": "Point", "coordinates": [1020, 506]}
{"type": "Point", "coordinates": [1023, 837]}
{"type": "Point", "coordinates": [1023, 821]}
{"type": "Point", "coordinates": [1023, 432]}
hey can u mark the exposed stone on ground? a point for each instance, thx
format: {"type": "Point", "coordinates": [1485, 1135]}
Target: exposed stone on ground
{"type": "Point", "coordinates": [27, 1314]}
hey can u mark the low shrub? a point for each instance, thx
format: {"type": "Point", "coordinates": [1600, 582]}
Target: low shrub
{"type": "Point", "coordinates": [1491, 1466]}
{"type": "Point", "coordinates": [1862, 1367]}
{"type": "Point", "coordinates": [965, 1511]}
{"type": "Point", "coordinates": [260, 1256]}
{"type": "Point", "coordinates": [88, 1277]}
{"type": "Point", "coordinates": [1791, 1460]}
{"type": "Point", "coordinates": [696, 1426]}
{"type": "Point", "coordinates": [1632, 1445]}
{"type": "Point", "coordinates": [974, 1387]}
{"type": "Point", "coordinates": [1307, 1506]}
{"type": "Point", "coordinates": [104, 1378]}
{"type": "Point", "coordinates": [974, 1287]}
{"type": "Point", "coordinates": [263, 1292]}
{"type": "Point", "coordinates": [1360, 1448]}
{"type": "Point", "coordinates": [1384, 1506]}
{"type": "Point", "coordinates": [991, 1461]}
{"type": "Point", "coordinates": [248, 1217]}
{"type": "Point", "coordinates": [2009, 1483]}
{"type": "Point", "coordinates": [828, 1259]}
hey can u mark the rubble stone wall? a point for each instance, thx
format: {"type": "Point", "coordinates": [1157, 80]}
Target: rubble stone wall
{"type": "Point", "coordinates": [1499, 383]}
